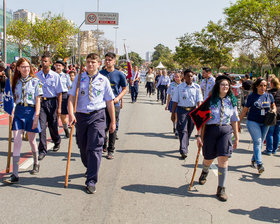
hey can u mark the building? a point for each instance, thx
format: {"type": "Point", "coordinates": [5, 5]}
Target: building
{"type": "Point", "coordinates": [149, 56]}
{"type": "Point", "coordinates": [24, 14]}
{"type": "Point", "coordinates": [88, 42]}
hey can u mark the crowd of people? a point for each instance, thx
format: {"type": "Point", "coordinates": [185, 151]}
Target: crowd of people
{"type": "Point", "coordinates": [43, 97]}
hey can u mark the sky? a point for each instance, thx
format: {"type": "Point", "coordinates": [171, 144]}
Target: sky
{"type": "Point", "coordinates": [143, 23]}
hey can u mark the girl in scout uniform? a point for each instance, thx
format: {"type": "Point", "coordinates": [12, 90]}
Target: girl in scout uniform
{"type": "Point", "coordinates": [26, 91]}
{"type": "Point", "coordinates": [170, 92]}
{"type": "Point", "coordinates": [217, 141]}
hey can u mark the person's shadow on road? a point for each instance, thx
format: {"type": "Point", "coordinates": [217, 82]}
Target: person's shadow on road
{"type": "Point", "coordinates": [264, 214]}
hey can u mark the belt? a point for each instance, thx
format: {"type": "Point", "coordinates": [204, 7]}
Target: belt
{"type": "Point", "coordinates": [188, 108]}
{"type": "Point", "coordinates": [89, 113]}
{"type": "Point", "coordinates": [26, 104]}
{"type": "Point", "coordinates": [48, 98]}
{"type": "Point", "coordinates": [216, 125]}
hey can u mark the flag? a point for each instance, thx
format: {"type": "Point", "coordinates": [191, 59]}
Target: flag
{"type": "Point", "coordinates": [201, 114]}
{"type": "Point", "coordinates": [8, 98]}
{"type": "Point", "coordinates": [129, 69]}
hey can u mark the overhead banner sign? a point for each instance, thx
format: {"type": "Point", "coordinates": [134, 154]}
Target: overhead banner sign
{"type": "Point", "coordinates": [102, 18]}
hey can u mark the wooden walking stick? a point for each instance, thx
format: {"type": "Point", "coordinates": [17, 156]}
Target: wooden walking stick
{"type": "Point", "coordinates": [10, 136]}
{"type": "Point", "coordinates": [197, 157]}
{"type": "Point", "coordinates": [72, 130]}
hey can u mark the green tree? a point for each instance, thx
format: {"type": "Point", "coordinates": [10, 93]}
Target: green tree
{"type": "Point", "coordinates": [51, 32]}
{"type": "Point", "coordinates": [163, 54]}
{"type": "Point", "coordinates": [257, 23]}
{"type": "Point", "coordinates": [134, 58]}
{"type": "Point", "coordinates": [19, 32]}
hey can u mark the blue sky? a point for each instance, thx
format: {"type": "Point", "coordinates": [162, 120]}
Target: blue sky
{"type": "Point", "coordinates": [143, 23]}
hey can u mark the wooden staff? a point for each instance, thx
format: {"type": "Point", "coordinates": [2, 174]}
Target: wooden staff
{"type": "Point", "coordinates": [10, 135]}
{"type": "Point", "coordinates": [72, 130]}
{"type": "Point", "coordinates": [197, 157]}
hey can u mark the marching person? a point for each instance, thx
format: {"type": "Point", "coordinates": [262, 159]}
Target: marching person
{"type": "Point", "coordinates": [162, 85]}
{"type": "Point", "coordinates": [217, 140]}
{"type": "Point", "coordinates": [186, 97]}
{"type": "Point", "coordinates": [50, 105]}
{"type": "Point", "coordinates": [94, 95]}
{"type": "Point", "coordinates": [259, 102]}
{"type": "Point", "coordinates": [150, 80]}
{"type": "Point", "coordinates": [135, 83]}
{"type": "Point", "coordinates": [159, 74]}
{"type": "Point", "coordinates": [27, 91]}
{"type": "Point", "coordinates": [170, 93]}
{"type": "Point", "coordinates": [66, 84]}
{"type": "Point", "coordinates": [207, 83]}
{"type": "Point", "coordinates": [118, 85]}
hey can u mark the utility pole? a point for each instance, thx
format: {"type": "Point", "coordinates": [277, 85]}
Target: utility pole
{"type": "Point", "coordinates": [4, 53]}
{"type": "Point", "coordinates": [116, 33]}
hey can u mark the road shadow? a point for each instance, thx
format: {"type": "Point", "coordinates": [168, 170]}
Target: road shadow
{"type": "Point", "coordinates": [275, 182]}
{"type": "Point", "coordinates": [263, 214]}
{"type": "Point", "coordinates": [242, 151]}
{"type": "Point", "coordinates": [153, 134]}
{"type": "Point", "coordinates": [160, 154]}
{"type": "Point", "coordinates": [51, 182]}
{"type": "Point", "coordinates": [166, 190]}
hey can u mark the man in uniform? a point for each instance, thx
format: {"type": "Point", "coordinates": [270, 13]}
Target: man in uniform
{"type": "Point", "coordinates": [66, 84]}
{"type": "Point", "coordinates": [186, 97]}
{"type": "Point", "coordinates": [135, 83]}
{"type": "Point", "coordinates": [207, 83]}
{"type": "Point", "coordinates": [118, 85]}
{"type": "Point", "coordinates": [94, 95]}
{"type": "Point", "coordinates": [50, 105]}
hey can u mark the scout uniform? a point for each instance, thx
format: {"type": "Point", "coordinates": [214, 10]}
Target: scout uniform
{"type": "Point", "coordinates": [207, 86]}
{"type": "Point", "coordinates": [26, 91]}
{"type": "Point", "coordinates": [48, 113]}
{"type": "Point", "coordinates": [134, 86]}
{"type": "Point", "coordinates": [163, 84]}
{"type": "Point", "coordinates": [187, 97]}
{"type": "Point", "coordinates": [65, 84]}
{"type": "Point", "coordinates": [91, 120]}
{"type": "Point", "coordinates": [170, 91]}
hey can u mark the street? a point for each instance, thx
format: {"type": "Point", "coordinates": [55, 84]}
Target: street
{"type": "Point", "coordinates": [147, 182]}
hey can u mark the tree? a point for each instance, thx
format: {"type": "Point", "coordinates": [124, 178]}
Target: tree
{"type": "Point", "coordinates": [163, 54]}
{"type": "Point", "coordinates": [216, 41]}
{"type": "Point", "coordinates": [18, 31]}
{"type": "Point", "coordinates": [257, 23]}
{"type": "Point", "coordinates": [103, 45]}
{"type": "Point", "coordinates": [134, 58]}
{"type": "Point", "coordinates": [49, 33]}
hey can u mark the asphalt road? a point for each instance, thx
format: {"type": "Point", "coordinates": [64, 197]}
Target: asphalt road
{"type": "Point", "coordinates": [147, 182]}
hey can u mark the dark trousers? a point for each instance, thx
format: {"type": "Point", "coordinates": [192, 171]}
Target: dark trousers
{"type": "Point", "coordinates": [112, 136]}
{"type": "Point", "coordinates": [163, 90]}
{"type": "Point", "coordinates": [185, 128]}
{"type": "Point", "coordinates": [158, 91]}
{"type": "Point", "coordinates": [134, 91]}
{"type": "Point", "coordinates": [149, 86]}
{"type": "Point", "coordinates": [90, 133]}
{"type": "Point", "coordinates": [48, 114]}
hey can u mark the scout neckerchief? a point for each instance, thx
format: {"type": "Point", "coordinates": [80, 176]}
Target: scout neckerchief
{"type": "Point", "coordinates": [91, 78]}
{"type": "Point", "coordinates": [222, 111]}
{"type": "Point", "coordinates": [24, 81]}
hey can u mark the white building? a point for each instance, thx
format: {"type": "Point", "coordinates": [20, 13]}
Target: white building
{"type": "Point", "coordinates": [24, 14]}
{"type": "Point", "coordinates": [149, 55]}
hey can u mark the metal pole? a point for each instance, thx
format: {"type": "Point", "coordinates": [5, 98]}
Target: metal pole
{"type": "Point", "coordinates": [116, 33]}
{"type": "Point", "coordinates": [4, 32]}
{"type": "Point", "coordinates": [97, 10]}
{"type": "Point", "coordinates": [79, 43]}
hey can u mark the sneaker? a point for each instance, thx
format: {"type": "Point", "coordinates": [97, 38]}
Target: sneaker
{"type": "Point", "coordinates": [260, 168]}
{"type": "Point", "coordinates": [35, 169]}
{"type": "Point", "coordinates": [13, 179]}
{"type": "Point", "coordinates": [110, 155]}
{"type": "Point", "coordinates": [221, 194]}
{"type": "Point", "coordinates": [90, 189]}
{"type": "Point", "coordinates": [104, 150]}
{"type": "Point", "coordinates": [202, 178]}
{"type": "Point", "coordinates": [41, 156]}
{"type": "Point", "coordinates": [253, 164]}
{"type": "Point", "coordinates": [266, 153]}
{"type": "Point", "coordinates": [56, 147]}
{"type": "Point", "coordinates": [274, 153]}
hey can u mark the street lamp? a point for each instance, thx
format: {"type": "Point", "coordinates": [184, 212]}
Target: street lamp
{"type": "Point", "coordinates": [116, 28]}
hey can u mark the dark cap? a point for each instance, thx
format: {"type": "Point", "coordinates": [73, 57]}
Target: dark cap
{"type": "Point", "coordinates": [221, 77]}
{"type": "Point", "coordinates": [60, 62]}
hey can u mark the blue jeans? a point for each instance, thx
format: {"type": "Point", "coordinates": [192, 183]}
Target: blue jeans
{"type": "Point", "coordinates": [273, 138]}
{"type": "Point", "coordinates": [258, 133]}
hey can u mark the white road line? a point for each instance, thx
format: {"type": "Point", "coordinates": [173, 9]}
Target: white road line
{"type": "Point", "coordinates": [28, 162]}
{"type": "Point", "coordinates": [213, 167]}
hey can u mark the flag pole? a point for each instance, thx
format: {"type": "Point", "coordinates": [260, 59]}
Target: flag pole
{"type": "Point", "coordinates": [10, 137]}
